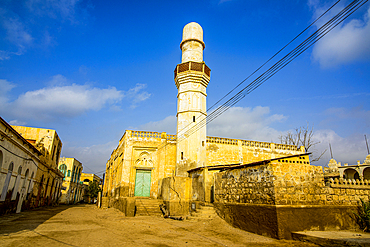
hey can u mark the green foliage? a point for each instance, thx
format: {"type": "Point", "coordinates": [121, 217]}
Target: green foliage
{"type": "Point", "coordinates": [363, 215]}
{"type": "Point", "coordinates": [93, 189]}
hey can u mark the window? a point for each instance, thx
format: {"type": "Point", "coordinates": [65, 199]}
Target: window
{"type": "Point", "coordinates": [63, 169]}
{"type": "Point", "coordinates": [203, 143]}
{"type": "Point", "coordinates": [52, 157]}
{"type": "Point", "coordinates": [69, 173]}
{"type": "Point", "coordinates": [182, 155]}
{"type": "Point", "coordinates": [7, 181]}
{"type": "Point", "coordinates": [194, 119]}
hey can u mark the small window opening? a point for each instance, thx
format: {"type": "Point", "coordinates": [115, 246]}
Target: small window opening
{"type": "Point", "coordinates": [194, 119]}
{"type": "Point", "coordinates": [182, 155]}
{"type": "Point", "coordinates": [203, 143]}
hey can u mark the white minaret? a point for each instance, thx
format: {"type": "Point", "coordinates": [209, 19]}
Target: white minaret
{"type": "Point", "coordinates": [191, 77]}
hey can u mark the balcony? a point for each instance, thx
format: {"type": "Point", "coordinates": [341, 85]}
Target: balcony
{"type": "Point", "coordinates": [192, 66]}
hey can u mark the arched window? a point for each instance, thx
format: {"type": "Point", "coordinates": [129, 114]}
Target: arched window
{"type": "Point", "coordinates": [46, 188]}
{"type": "Point", "coordinates": [351, 174]}
{"type": "Point", "coordinates": [7, 181]}
{"type": "Point", "coordinates": [1, 159]}
{"type": "Point", "coordinates": [366, 173]}
{"type": "Point", "coordinates": [24, 185]}
{"type": "Point", "coordinates": [30, 185]}
{"type": "Point", "coordinates": [16, 184]}
{"type": "Point", "coordinates": [63, 169]}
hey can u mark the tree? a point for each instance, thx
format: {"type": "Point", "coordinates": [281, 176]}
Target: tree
{"type": "Point", "coordinates": [93, 189]}
{"type": "Point", "coordinates": [302, 136]}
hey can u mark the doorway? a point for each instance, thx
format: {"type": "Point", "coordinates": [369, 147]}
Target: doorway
{"type": "Point", "coordinates": [142, 183]}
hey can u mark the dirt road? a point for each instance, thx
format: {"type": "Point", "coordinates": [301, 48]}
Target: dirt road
{"type": "Point", "coordinates": [85, 225]}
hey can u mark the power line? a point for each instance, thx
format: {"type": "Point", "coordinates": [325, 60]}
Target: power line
{"type": "Point", "coordinates": [274, 55]}
{"type": "Point", "coordinates": [288, 58]}
{"type": "Point", "coordinates": [316, 36]}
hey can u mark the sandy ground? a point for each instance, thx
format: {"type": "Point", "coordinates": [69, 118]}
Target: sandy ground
{"type": "Point", "coordinates": [86, 225]}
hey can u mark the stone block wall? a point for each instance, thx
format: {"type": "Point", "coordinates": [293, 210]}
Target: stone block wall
{"type": "Point", "coordinates": [292, 194]}
{"type": "Point", "coordinates": [285, 183]}
{"type": "Point", "coordinates": [175, 193]}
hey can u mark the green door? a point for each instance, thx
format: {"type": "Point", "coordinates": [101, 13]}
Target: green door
{"type": "Point", "coordinates": [142, 183]}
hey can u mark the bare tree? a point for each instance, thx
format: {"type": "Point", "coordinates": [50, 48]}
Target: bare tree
{"type": "Point", "coordinates": [302, 136]}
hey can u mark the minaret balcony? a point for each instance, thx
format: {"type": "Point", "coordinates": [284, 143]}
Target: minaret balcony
{"type": "Point", "coordinates": [192, 66]}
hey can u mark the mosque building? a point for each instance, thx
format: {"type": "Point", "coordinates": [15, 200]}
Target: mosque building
{"type": "Point", "coordinates": [181, 167]}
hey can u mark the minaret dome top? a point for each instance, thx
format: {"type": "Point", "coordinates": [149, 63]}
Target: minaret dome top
{"type": "Point", "coordinates": [192, 31]}
{"type": "Point", "coordinates": [192, 44]}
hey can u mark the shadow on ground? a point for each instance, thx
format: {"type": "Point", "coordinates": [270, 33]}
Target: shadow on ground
{"type": "Point", "coordinates": [29, 220]}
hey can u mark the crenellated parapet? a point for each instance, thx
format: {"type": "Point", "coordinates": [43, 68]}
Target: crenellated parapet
{"type": "Point", "coordinates": [348, 183]}
{"type": "Point", "coordinates": [252, 144]}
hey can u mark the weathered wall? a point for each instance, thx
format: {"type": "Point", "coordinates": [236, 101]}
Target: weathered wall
{"type": "Point", "coordinates": [139, 150]}
{"type": "Point", "coordinates": [72, 190]}
{"type": "Point", "coordinates": [221, 151]}
{"type": "Point", "coordinates": [124, 204]}
{"type": "Point", "coordinates": [290, 193]}
{"type": "Point", "coordinates": [28, 174]}
{"type": "Point", "coordinates": [175, 193]}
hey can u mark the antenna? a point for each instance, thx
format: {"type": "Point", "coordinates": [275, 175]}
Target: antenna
{"type": "Point", "coordinates": [367, 145]}
{"type": "Point", "coordinates": [331, 152]}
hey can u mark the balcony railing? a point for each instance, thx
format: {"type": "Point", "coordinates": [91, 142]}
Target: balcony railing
{"type": "Point", "coordinates": [192, 66]}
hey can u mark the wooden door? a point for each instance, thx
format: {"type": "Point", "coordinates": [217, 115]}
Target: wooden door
{"type": "Point", "coordinates": [142, 183]}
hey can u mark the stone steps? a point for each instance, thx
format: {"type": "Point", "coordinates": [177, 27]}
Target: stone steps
{"type": "Point", "coordinates": [206, 212]}
{"type": "Point", "coordinates": [148, 207]}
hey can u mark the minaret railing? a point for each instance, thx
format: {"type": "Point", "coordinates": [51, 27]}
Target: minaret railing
{"type": "Point", "coordinates": [192, 66]}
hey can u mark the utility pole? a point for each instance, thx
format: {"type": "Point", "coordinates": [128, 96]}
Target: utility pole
{"type": "Point", "coordinates": [331, 152]}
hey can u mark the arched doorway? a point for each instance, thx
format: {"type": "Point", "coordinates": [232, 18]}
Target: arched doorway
{"type": "Point", "coordinates": [366, 173]}
{"type": "Point", "coordinates": [351, 173]}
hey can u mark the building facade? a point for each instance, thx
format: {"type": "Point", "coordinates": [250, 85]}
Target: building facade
{"type": "Point", "coordinates": [48, 177]}
{"type": "Point", "coordinates": [181, 167]}
{"type": "Point", "coordinates": [72, 189]}
{"type": "Point", "coordinates": [28, 177]}
{"type": "Point", "coordinates": [87, 180]}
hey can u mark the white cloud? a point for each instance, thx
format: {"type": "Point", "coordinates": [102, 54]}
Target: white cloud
{"type": "Point", "coordinates": [5, 87]}
{"type": "Point", "coordinates": [237, 122]}
{"type": "Point", "coordinates": [16, 33]}
{"type": "Point", "coordinates": [255, 124]}
{"type": "Point", "coordinates": [137, 95]}
{"type": "Point", "coordinates": [246, 123]}
{"type": "Point", "coordinates": [345, 149]}
{"type": "Point", "coordinates": [26, 23]}
{"type": "Point", "coordinates": [17, 123]}
{"type": "Point", "coordinates": [59, 100]}
{"type": "Point", "coordinates": [93, 158]}
{"type": "Point", "coordinates": [4, 55]}
{"type": "Point", "coordinates": [58, 80]}
{"type": "Point", "coordinates": [66, 9]}
{"type": "Point", "coordinates": [346, 43]}
{"type": "Point", "coordinates": [349, 113]}
{"type": "Point", "coordinates": [169, 125]}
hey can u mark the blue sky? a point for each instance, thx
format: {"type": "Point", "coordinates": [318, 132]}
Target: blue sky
{"type": "Point", "coordinates": [92, 69]}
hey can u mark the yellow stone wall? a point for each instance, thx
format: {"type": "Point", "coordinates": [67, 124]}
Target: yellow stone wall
{"type": "Point", "coordinates": [139, 150]}
{"type": "Point", "coordinates": [222, 151]}
{"type": "Point", "coordinates": [46, 140]}
{"type": "Point", "coordinates": [34, 177]}
{"type": "Point", "coordinates": [157, 152]}
{"type": "Point", "coordinates": [72, 189]}
{"type": "Point", "coordinates": [287, 181]}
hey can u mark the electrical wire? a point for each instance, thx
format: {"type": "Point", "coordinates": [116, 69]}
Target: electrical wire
{"type": "Point", "coordinates": [321, 32]}
{"type": "Point", "coordinates": [288, 58]}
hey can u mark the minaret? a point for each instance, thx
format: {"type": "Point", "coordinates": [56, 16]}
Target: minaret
{"type": "Point", "coordinates": [191, 77]}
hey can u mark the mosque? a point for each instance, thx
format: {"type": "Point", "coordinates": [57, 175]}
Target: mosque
{"type": "Point", "coordinates": [181, 167]}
